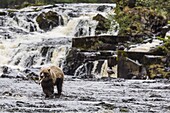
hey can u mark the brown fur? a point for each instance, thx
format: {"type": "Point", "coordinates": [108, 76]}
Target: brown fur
{"type": "Point", "coordinates": [50, 77]}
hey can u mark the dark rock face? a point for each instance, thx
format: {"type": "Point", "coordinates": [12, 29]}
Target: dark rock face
{"type": "Point", "coordinates": [131, 3]}
{"type": "Point", "coordinates": [96, 43]}
{"type": "Point", "coordinates": [73, 60]}
{"type": "Point", "coordinates": [101, 8]}
{"type": "Point", "coordinates": [85, 70]}
{"type": "Point", "coordinates": [129, 69]}
{"type": "Point", "coordinates": [103, 25]}
{"type": "Point", "coordinates": [89, 51]}
{"type": "Point", "coordinates": [3, 13]}
{"type": "Point", "coordinates": [86, 62]}
{"type": "Point", "coordinates": [49, 20]}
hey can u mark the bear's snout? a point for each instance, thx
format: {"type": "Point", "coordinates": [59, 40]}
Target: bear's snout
{"type": "Point", "coordinates": [42, 75]}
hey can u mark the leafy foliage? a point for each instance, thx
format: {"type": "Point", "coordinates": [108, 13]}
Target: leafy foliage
{"type": "Point", "coordinates": [142, 17]}
{"type": "Point", "coordinates": [164, 49]}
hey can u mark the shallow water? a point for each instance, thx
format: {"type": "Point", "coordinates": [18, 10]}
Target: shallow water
{"type": "Point", "coordinates": [100, 96]}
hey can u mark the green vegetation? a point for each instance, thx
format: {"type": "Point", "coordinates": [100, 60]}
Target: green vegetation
{"type": "Point", "coordinates": [142, 17]}
{"type": "Point", "coordinates": [146, 17]}
{"type": "Point", "coordinates": [158, 69]}
{"type": "Point", "coordinates": [165, 48]}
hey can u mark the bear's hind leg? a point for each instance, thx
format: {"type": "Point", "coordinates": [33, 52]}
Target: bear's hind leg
{"type": "Point", "coordinates": [59, 83]}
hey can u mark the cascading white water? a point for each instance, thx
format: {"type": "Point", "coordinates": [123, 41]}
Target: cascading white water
{"type": "Point", "coordinates": [73, 27]}
{"type": "Point", "coordinates": [22, 41]}
{"type": "Point", "coordinates": [95, 69]}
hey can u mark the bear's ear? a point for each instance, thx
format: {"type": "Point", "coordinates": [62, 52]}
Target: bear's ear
{"type": "Point", "coordinates": [48, 70]}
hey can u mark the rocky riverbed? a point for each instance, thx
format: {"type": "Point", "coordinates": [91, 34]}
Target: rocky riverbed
{"type": "Point", "coordinates": [94, 96]}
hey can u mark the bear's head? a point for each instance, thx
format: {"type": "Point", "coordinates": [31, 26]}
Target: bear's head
{"type": "Point", "coordinates": [45, 75]}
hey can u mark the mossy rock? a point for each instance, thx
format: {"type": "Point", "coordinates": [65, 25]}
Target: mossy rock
{"type": "Point", "coordinates": [103, 23]}
{"type": "Point", "coordinates": [49, 20]}
{"type": "Point", "coordinates": [140, 21]}
{"type": "Point", "coordinates": [158, 71]}
{"type": "Point", "coordinates": [124, 110]}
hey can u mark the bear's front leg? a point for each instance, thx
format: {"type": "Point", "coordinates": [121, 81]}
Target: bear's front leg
{"type": "Point", "coordinates": [59, 84]}
{"type": "Point", "coordinates": [48, 88]}
{"type": "Point", "coordinates": [48, 93]}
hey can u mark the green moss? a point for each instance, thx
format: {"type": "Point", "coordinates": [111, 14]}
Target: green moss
{"type": "Point", "coordinates": [103, 23]}
{"type": "Point", "coordinates": [12, 10]}
{"type": "Point", "coordinates": [165, 48]}
{"type": "Point", "coordinates": [169, 22]}
{"type": "Point", "coordinates": [158, 69]}
{"type": "Point", "coordinates": [124, 110]}
{"type": "Point", "coordinates": [140, 20]}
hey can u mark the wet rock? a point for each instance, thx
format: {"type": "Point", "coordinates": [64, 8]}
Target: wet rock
{"type": "Point", "coordinates": [6, 76]}
{"type": "Point", "coordinates": [72, 61]}
{"type": "Point", "coordinates": [72, 14]}
{"type": "Point", "coordinates": [88, 64]}
{"type": "Point", "coordinates": [32, 76]}
{"type": "Point", "coordinates": [128, 100]}
{"type": "Point", "coordinates": [96, 43]}
{"type": "Point", "coordinates": [49, 20]}
{"type": "Point", "coordinates": [155, 95]}
{"type": "Point", "coordinates": [20, 103]}
{"type": "Point", "coordinates": [17, 95]}
{"type": "Point", "coordinates": [7, 93]}
{"type": "Point", "coordinates": [101, 8]}
{"type": "Point", "coordinates": [152, 59]}
{"type": "Point", "coordinates": [44, 51]}
{"type": "Point", "coordinates": [12, 73]}
{"type": "Point", "coordinates": [86, 98]}
{"type": "Point", "coordinates": [128, 68]}
{"type": "Point", "coordinates": [5, 69]}
{"type": "Point", "coordinates": [105, 105]}
{"type": "Point", "coordinates": [103, 24]}
{"type": "Point", "coordinates": [3, 13]}
{"type": "Point", "coordinates": [125, 109]}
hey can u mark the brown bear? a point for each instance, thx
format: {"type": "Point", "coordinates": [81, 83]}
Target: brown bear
{"type": "Point", "coordinates": [50, 77]}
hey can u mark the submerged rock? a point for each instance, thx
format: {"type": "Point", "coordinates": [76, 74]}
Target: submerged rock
{"type": "Point", "coordinates": [49, 20]}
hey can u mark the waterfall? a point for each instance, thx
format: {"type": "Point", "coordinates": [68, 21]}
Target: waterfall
{"type": "Point", "coordinates": [23, 44]}
{"type": "Point", "coordinates": [94, 69]}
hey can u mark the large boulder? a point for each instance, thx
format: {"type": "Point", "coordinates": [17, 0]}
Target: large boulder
{"type": "Point", "coordinates": [103, 24]}
{"type": "Point", "coordinates": [49, 20]}
{"type": "Point", "coordinates": [85, 64]}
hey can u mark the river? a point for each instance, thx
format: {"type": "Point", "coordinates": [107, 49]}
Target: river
{"type": "Point", "coordinates": [24, 47]}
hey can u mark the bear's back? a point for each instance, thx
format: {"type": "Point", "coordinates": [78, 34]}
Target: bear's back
{"type": "Point", "coordinates": [56, 71]}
